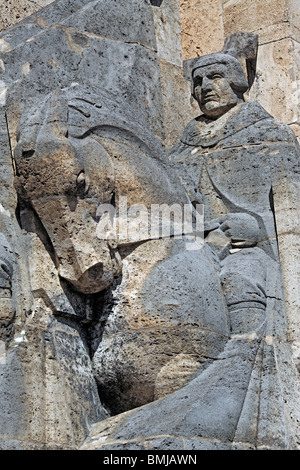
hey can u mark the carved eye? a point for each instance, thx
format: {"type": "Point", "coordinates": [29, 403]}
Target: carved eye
{"type": "Point", "coordinates": [216, 76]}
{"type": "Point", "coordinates": [198, 81]}
{"type": "Point", "coordinates": [82, 182]}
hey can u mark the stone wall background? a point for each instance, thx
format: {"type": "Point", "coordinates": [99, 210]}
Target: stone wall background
{"type": "Point", "coordinates": [204, 26]}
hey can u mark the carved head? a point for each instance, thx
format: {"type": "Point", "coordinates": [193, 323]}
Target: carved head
{"type": "Point", "coordinates": [218, 83]}
{"type": "Point", "coordinates": [62, 181]}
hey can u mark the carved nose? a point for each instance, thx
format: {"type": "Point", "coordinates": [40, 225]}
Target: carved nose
{"type": "Point", "coordinates": [206, 84]}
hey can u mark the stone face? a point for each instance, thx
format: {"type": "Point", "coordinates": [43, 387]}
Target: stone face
{"type": "Point", "coordinates": [151, 307]}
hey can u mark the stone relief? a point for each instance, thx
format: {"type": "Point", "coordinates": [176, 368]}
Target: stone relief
{"type": "Point", "coordinates": [231, 160]}
{"type": "Point", "coordinates": [224, 157]}
{"type": "Point", "coordinates": [148, 339]}
{"type": "Point", "coordinates": [87, 152]}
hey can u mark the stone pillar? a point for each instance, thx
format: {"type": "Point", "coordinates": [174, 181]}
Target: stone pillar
{"type": "Point", "coordinates": [278, 67]}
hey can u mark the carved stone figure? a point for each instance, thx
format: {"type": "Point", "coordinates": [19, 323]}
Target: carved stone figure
{"type": "Point", "coordinates": [118, 329]}
{"type": "Point", "coordinates": [151, 325]}
{"type": "Point", "coordinates": [235, 139]}
{"type": "Point", "coordinates": [232, 159]}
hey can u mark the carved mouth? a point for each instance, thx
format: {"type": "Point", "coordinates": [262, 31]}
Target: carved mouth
{"type": "Point", "coordinates": [210, 97]}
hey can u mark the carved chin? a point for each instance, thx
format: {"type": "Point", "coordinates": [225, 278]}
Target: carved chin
{"type": "Point", "coordinates": [216, 108]}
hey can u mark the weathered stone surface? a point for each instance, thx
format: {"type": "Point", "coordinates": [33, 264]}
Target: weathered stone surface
{"type": "Point", "coordinates": [237, 401]}
{"type": "Point", "coordinates": [49, 337]}
{"type": "Point", "coordinates": [277, 85]}
{"type": "Point", "coordinates": [268, 19]}
{"type": "Point", "coordinates": [202, 27]}
{"type": "Point", "coordinates": [278, 30]}
{"type": "Point", "coordinates": [189, 346]}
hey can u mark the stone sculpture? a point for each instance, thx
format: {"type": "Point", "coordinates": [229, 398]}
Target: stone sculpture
{"type": "Point", "coordinates": [85, 153]}
{"type": "Point", "coordinates": [231, 159]}
{"type": "Point", "coordinates": [136, 337]}
{"type": "Point", "coordinates": [234, 184]}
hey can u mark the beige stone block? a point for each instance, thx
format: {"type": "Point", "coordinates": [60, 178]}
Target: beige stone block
{"type": "Point", "coordinates": [289, 252]}
{"type": "Point", "coordinates": [286, 191]}
{"type": "Point", "coordinates": [277, 82]}
{"type": "Point", "coordinates": [294, 13]}
{"type": "Point", "coordinates": [267, 18]}
{"type": "Point", "coordinates": [201, 27]}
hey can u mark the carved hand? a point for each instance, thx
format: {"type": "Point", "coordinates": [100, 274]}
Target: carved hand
{"type": "Point", "coordinates": [243, 229]}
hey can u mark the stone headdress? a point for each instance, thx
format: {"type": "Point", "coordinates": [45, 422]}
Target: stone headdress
{"type": "Point", "coordinates": [234, 70]}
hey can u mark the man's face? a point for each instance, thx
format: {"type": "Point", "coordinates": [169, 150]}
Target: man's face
{"type": "Point", "coordinates": [213, 91]}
